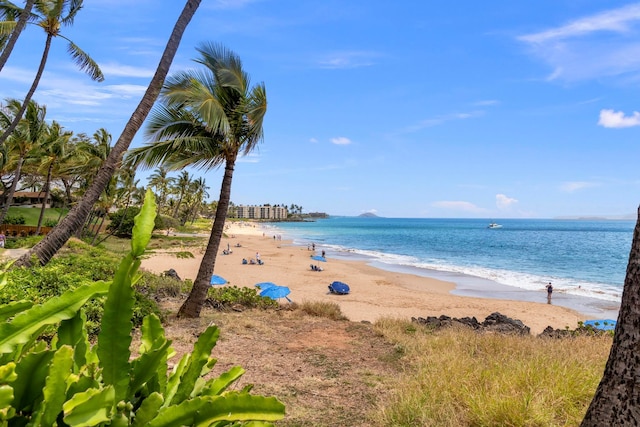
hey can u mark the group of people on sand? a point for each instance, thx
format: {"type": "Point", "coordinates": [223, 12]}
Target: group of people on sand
{"type": "Point", "coordinates": [252, 261]}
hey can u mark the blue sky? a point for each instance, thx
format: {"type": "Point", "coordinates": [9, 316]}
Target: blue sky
{"type": "Point", "coordinates": [496, 109]}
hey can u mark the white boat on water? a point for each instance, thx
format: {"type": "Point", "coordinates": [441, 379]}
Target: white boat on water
{"type": "Point", "coordinates": [494, 225]}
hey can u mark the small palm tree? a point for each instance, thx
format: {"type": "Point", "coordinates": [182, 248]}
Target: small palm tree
{"type": "Point", "coordinates": [22, 141]}
{"type": "Point", "coordinates": [160, 180]}
{"type": "Point", "coordinates": [52, 150]}
{"type": "Point", "coordinates": [207, 119]}
{"type": "Point", "coordinates": [50, 16]}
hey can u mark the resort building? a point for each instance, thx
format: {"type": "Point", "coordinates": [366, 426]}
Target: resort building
{"type": "Point", "coordinates": [261, 212]}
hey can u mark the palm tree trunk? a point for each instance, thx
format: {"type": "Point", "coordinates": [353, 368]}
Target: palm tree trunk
{"type": "Point", "coordinates": [12, 190]}
{"type": "Point", "coordinates": [193, 305]}
{"type": "Point", "coordinates": [22, 21]}
{"type": "Point", "coordinates": [616, 400]}
{"type": "Point", "coordinates": [48, 246]}
{"type": "Point", "coordinates": [32, 90]}
{"type": "Point", "coordinates": [47, 192]}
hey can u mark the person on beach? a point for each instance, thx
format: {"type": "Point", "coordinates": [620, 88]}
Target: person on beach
{"type": "Point", "coordinates": [323, 254]}
{"type": "Point", "coordinates": [549, 292]}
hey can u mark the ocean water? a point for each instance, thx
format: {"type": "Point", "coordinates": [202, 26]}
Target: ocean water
{"type": "Point", "coordinates": [585, 258]}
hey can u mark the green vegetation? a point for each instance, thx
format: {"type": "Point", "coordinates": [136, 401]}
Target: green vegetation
{"type": "Point", "coordinates": [73, 382]}
{"type": "Point", "coordinates": [226, 297]}
{"type": "Point", "coordinates": [458, 377]}
{"type": "Point", "coordinates": [30, 215]}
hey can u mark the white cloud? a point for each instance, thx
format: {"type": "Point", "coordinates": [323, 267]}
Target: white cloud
{"type": "Point", "coordinates": [504, 202]}
{"type": "Point", "coordinates": [486, 103]}
{"type": "Point", "coordinates": [113, 69]}
{"type": "Point", "coordinates": [341, 140]}
{"type": "Point", "coordinates": [438, 120]}
{"type": "Point", "coordinates": [617, 119]}
{"type": "Point", "coordinates": [615, 20]}
{"type": "Point", "coordinates": [313, 140]}
{"type": "Point", "coordinates": [600, 45]}
{"type": "Point", "coordinates": [570, 187]}
{"type": "Point", "coordinates": [352, 59]}
{"type": "Point", "coordinates": [458, 206]}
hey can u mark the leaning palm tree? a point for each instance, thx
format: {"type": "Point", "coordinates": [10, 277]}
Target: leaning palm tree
{"type": "Point", "coordinates": [10, 29]}
{"type": "Point", "coordinates": [48, 246]}
{"type": "Point", "coordinates": [208, 118]}
{"type": "Point", "coordinates": [50, 16]}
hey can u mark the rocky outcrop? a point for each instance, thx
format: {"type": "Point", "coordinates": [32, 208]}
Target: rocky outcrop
{"type": "Point", "coordinates": [495, 322]}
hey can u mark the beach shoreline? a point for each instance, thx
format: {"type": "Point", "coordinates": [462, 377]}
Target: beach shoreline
{"type": "Point", "coordinates": [376, 292]}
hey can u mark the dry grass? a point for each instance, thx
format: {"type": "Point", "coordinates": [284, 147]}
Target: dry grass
{"type": "Point", "coordinates": [463, 378]}
{"type": "Point", "coordinates": [329, 310]}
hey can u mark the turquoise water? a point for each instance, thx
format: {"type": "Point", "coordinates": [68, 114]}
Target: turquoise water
{"type": "Point", "coordinates": [581, 257]}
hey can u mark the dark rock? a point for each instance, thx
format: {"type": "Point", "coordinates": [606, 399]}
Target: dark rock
{"type": "Point", "coordinates": [495, 322]}
{"type": "Point", "coordinates": [172, 273]}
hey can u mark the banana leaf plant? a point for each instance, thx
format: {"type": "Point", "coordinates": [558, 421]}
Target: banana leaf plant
{"type": "Point", "coordinates": [69, 382]}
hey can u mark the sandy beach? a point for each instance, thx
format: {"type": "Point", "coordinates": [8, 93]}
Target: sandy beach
{"type": "Point", "coordinates": [375, 293]}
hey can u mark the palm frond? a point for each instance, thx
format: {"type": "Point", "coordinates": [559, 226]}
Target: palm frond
{"type": "Point", "coordinates": [84, 62]}
{"type": "Point", "coordinates": [6, 27]}
{"type": "Point", "coordinates": [74, 7]}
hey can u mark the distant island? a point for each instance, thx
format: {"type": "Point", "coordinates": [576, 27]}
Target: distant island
{"type": "Point", "coordinates": [368, 215]}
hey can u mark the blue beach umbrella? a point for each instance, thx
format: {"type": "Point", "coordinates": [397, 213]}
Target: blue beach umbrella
{"type": "Point", "coordinates": [319, 258]}
{"type": "Point", "coordinates": [275, 292]}
{"type": "Point", "coordinates": [265, 285]}
{"type": "Point", "coordinates": [339, 288]}
{"type": "Point", "coordinates": [217, 280]}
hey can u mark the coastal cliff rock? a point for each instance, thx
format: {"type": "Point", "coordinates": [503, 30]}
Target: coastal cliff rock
{"type": "Point", "coordinates": [495, 322]}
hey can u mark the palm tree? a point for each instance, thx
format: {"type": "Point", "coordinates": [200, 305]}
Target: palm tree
{"type": "Point", "coordinates": [616, 399]}
{"type": "Point", "coordinates": [22, 141]}
{"type": "Point", "coordinates": [48, 246]}
{"type": "Point", "coordinates": [50, 16]}
{"type": "Point", "coordinates": [51, 150]}
{"type": "Point", "coordinates": [160, 181]}
{"type": "Point", "coordinates": [182, 186]}
{"type": "Point", "coordinates": [8, 13]}
{"type": "Point", "coordinates": [208, 118]}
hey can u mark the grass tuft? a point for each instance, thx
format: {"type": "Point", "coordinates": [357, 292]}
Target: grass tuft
{"type": "Point", "coordinates": [330, 310]}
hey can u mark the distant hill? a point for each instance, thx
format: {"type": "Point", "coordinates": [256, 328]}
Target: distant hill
{"type": "Point", "coordinates": [368, 215]}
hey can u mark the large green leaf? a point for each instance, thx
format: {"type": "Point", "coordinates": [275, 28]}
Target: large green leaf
{"type": "Point", "coordinates": [73, 332]}
{"type": "Point", "coordinates": [55, 388]}
{"type": "Point", "coordinates": [174, 379]}
{"type": "Point", "coordinates": [199, 359]}
{"type": "Point", "coordinates": [143, 224]}
{"type": "Point", "coordinates": [220, 384]}
{"type": "Point", "coordinates": [147, 366]}
{"type": "Point", "coordinates": [32, 370]}
{"type": "Point", "coordinates": [202, 411]}
{"type": "Point", "coordinates": [20, 329]}
{"type": "Point", "coordinates": [114, 338]}
{"type": "Point", "coordinates": [89, 408]}
{"type": "Point", "coordinates": [13, 308]}
{"type": "Point", "coordinates": [148, 410]}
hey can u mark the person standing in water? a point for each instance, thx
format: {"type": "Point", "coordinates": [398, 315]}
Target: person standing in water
{"type": "Point", "coordinates": [549, 292]}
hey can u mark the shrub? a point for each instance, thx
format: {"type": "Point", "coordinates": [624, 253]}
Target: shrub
{"type": "Point", "coordinates": [70, 382]}
{"type": "Point", "coordinates": [225, 297]}
{"type": "Point", "coordinates": [50, 222]}
{"type": "Point", "coordinates": [164, 222]}
{"type": "Point", "coordinates": [15, 219]}
{"type": "Point", "coordinates": [122, 221]}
